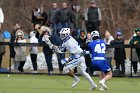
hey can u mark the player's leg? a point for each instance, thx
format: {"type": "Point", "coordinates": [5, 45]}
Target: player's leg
{"type": "Point", "coordinates": [68, 69]}
{"type": "Point", "coordinates": [85, 74]}
{"type": "Point", "coordinates": [105, 75]}
{"type": "Point", "coordinates": [76, 79]}
{"type": "Point", "coordinates": [106, 70]}
{"type": "Point", "coordinates": [102, 75]}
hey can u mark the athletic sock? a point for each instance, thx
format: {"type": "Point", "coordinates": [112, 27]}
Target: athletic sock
{"type": "Point", "coordinates": [103, 81]}
{"type": "Point", "coordinates": [75, 77]}
{"type": "Point", "coordinates": [87, 76]}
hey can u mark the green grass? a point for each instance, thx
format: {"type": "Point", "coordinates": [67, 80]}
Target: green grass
{"type": "Point", "coordinates": [62, 84]}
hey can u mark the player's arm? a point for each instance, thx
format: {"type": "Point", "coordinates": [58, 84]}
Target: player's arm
{"type": "Point", "coordinates": [90, 50]}
{"type": "Point", "coordinates": [57, 49]}
{"type": "Point", "coordinates": [46, 39]}
{"type": "Point", "coordinates": [73, 49]}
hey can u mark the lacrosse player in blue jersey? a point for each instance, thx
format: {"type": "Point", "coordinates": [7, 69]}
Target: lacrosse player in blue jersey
{"type": "Point", "coordinates": [97, 49]}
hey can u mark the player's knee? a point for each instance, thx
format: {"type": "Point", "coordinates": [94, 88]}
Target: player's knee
{"type": "Point", "coordinates": [109, 73]}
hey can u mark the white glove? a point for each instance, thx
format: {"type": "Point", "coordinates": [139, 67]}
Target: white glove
{"type": "Point", "coordinates": [85, 52]}
{"type": "Point", "coordinates": [45, 38]}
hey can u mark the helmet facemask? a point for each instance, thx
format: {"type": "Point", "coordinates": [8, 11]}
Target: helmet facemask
{"type": "Point", "coordinates": [64, 33]}
{"type": "Point", "coordinates": [95, 35]}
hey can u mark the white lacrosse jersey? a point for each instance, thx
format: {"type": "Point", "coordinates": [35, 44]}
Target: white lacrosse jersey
{"type": "Point", "coordinates": [71, 45]}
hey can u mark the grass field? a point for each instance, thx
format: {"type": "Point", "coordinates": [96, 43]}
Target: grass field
{"type": "Point", "coordinates": [62, 84]}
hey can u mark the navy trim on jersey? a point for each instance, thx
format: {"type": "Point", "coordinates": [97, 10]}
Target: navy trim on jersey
{"type": "Point", "coordinates": [72, 63]}
{"type": "Point", "coordinates": [66, 39]}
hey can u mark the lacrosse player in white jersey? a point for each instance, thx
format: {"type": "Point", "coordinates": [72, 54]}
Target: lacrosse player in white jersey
{"type": "Point", "coordinates": [76, 58]}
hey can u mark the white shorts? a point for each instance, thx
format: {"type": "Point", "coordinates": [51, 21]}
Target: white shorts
{"type": "Point", "coordinates": [79, 62]}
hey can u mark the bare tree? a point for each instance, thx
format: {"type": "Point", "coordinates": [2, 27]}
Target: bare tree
{"type": "Point", "coordinates": [115, 13]}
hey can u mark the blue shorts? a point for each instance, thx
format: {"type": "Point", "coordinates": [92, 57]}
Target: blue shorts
{"type": "Point", "coordinates": [101, 65]}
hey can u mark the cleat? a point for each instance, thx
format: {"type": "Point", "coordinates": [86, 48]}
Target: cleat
{"type": "Point", "coordinates": [93, 87]}
{"type": "Point", "coordinates": [76, 81]}
{"type": "Point", "coordinates": [101, 89]}
{"type": "Point", "coordinates": [102, 85]}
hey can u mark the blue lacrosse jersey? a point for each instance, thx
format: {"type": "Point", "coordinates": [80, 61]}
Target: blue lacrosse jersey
{"type": "Point", "coordinates": [97, 49]}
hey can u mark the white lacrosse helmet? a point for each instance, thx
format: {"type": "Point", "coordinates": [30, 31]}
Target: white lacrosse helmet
{"type": "Point", "coordinates": [95, 34]}
{"type": "Point", "coordinates": [64, 33]}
